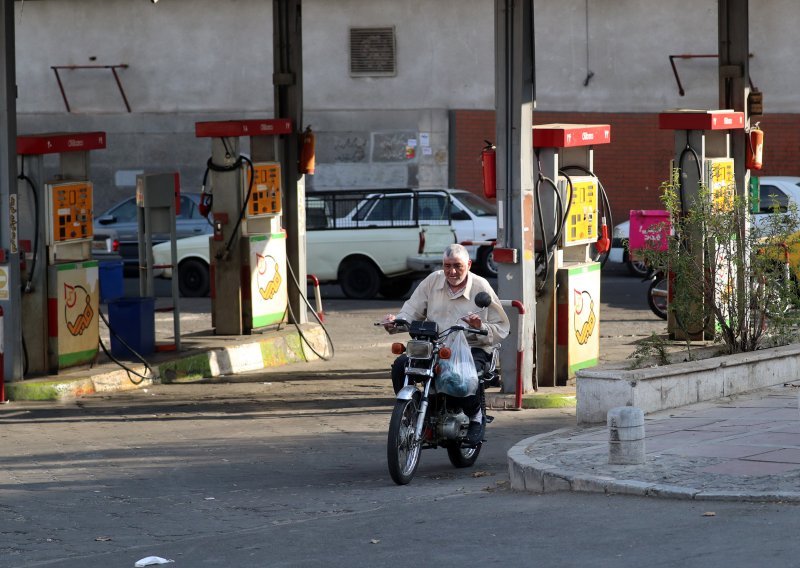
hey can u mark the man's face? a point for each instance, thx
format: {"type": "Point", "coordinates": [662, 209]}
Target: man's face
{"type": "Point", "coordinates": [455, 270]}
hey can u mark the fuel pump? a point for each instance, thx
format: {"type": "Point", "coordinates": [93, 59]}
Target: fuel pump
{"type": "Point", "coordinates": [158, 203]}
{"type": "Point", "coordinates": [702, 156]}
{"type": "Point", "coordinates": [567, 225]}
{"type": "Point", "coordinates": [60, 296]}
{"type": "Point", "coordinates": [248, 247]}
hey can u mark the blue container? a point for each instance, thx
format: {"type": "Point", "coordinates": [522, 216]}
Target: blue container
{"type": "Point", "coordinates": [111, 282]}
{"type": "Point", "coordinates": [133, 321]}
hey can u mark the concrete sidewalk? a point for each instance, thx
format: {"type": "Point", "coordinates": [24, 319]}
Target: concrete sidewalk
{"type": "Point", "coordinates": [744, 448]}
{"type": "Point", "coordinates": [358, 346]}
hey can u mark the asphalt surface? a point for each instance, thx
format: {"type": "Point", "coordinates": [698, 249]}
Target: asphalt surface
{"type": "Point", "coordinates": [287, 467]}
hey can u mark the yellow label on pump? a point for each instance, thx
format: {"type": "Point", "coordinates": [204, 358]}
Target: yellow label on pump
{"type": "Point", "coordinates": [720, 181]}
{"type": "Point", "coordinates": [581, 225]}
{"type": "Point", "coordinates": [70, 206]}
{"type": "Point", "coordinates": [265, 194]}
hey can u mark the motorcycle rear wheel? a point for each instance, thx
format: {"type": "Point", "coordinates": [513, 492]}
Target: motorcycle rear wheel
{"type": "Point", "coordinates": [463, 457]}
{"type": "Point", "coordinates": [658, 297]}
{"type": "Point", "coordinates": [402, 449]}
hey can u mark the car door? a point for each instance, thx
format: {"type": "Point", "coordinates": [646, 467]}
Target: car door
{"type": "Point", "coordinates": [122, 218]}
{"type": "Point", "coordinates": [190, 222]}
{"type": "Point", "coordinates": [463, 223]}
{"type": "Point", "coordinates": [389, 210]}
{"type": "Point", "coordinates": [772, 200]}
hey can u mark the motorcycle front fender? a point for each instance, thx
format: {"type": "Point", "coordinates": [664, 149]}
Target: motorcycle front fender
{"type": "Point", "coordinates": [406, 392]}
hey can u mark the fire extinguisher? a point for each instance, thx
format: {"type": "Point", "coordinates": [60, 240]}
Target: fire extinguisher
{"type": "Point", "coordinates": [755, 148]}
{"type": "Point", "coordinates": [489, 164]}
{"type": "Point", "coordinates": [307, 148]}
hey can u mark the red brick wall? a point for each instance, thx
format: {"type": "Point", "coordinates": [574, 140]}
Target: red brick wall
{"type": "Point", "coordinates": [468, 130]}
{"type": "Point", "coordinates": [635, 163]}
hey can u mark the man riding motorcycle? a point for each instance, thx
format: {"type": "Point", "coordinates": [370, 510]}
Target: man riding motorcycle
{"type": "Point", "coordinates": [446, 297]}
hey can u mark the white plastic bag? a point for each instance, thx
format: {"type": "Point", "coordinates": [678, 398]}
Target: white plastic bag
{"type": "Point", "coordinates": [457, 375]}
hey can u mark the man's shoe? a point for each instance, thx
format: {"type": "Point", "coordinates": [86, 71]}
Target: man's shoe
{"type": "Point", "coordinates": [474, 434]}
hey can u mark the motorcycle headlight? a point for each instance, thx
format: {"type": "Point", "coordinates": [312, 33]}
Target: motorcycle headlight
{"type": "Point", "coordinates": [419, 349]}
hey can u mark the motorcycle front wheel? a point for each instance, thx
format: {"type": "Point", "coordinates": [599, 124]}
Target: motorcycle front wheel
{"type": "Point", "coordinates": [463, 457]}
{"type": "Point", "coordinates": [402, 449]}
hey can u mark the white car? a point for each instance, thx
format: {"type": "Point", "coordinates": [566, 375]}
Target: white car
{"type": "Point", "coordinates": [776, 193]}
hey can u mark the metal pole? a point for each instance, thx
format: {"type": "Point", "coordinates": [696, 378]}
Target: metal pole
{"type": "Point", "coordinates": [514, 92]}
{"type": "Point", "coordinates": [288, 82]}
{"type": "Point", "coordinates": [734, 89]}
{"type": "Point", "coordinates": [10, 293]}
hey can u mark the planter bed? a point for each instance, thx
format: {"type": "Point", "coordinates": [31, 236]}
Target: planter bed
{"type": "Point", "coordinates": [670, 386]}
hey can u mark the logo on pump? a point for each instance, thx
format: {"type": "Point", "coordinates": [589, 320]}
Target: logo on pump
{"type": "Point", "coordinates": [584, 318]}
{"type": "Point", "coordinates": [268, 276]}
{"type": "Point", "coordinates": [78, 312]}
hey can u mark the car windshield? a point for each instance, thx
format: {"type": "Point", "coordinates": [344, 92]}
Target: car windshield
{"type": "Point", "coordinates": [477, 205]}
{"type": "Point", "coordinates": [125, 212]}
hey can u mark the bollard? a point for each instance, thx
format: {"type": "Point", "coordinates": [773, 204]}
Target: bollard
{"type": "Point", "coordinates": [2, 359]}
{"type": "Point", "coordinates": [626, 436]}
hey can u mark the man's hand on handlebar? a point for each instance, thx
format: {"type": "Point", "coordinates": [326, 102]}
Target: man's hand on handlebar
{"type": "Point", "coordinates": [388, 322]}
{"type": "Point", "coordinates": [472, 320]}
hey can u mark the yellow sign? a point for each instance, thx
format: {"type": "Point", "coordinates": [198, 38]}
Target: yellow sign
{"type": "Point", "coordinates": [581, 225]}
{"type": "Point", "coordinates": [721, 183]}
{"type": "Point", "coordinates": [13, 224]}
{"type": "Point", "coordinates": [3, 283]}
{"type": "Point", "coordinates": [71, 211]}
{"type": "Point", "coordinates": [265, 193]}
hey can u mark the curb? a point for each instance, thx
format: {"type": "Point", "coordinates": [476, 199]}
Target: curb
{"type": "Point", "coordinates": [533, 476]}
{"type": "Point", "coordinates": [280, 349]}
{"type": "Point", "coordinates": [538, 400]}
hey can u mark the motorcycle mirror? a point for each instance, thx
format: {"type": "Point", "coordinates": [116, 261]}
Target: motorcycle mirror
{"type": "Point", "coordinates": [482, 299]}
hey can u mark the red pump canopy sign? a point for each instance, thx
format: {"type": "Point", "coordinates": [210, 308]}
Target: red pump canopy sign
{"type": "Point", "coordinates": [59, 142]}
{"type": "Point", "coordinates": [701, 120]}
{"type": "Point", "coordinates": [230, 128]}
{"type": "Point", "coordinates": [570, 135]}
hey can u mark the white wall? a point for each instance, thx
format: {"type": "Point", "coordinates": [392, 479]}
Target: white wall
{"type": "Point", "coordinates": [207, 55]}
{"type": "Point", "coordinates": [630, 41]}
{"type": "Point", "coordinates": [195, 60]}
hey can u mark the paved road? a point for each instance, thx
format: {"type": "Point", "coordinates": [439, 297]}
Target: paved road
{"type": "Point", "coordinates": [271, 471]}
{"type": "Point", "coordinates": [287, 468]}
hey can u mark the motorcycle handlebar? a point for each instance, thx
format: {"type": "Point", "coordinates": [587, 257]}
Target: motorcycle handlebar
{"type": "Point", "coordinates": [402, 322]}
{"type": "Point", "coordinates": [467, 330]}
{"type": "Point", "coordinates": [395, 322]}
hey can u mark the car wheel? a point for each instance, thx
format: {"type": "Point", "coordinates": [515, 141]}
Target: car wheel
{"type": "Point", "coordinates": [359, 279]}
{"type": "Point", "coordinates": [486, 261]}
{"type": "Point", "coordinates": [637, 268]}
{"type": "Point", "coordinates": [396, 288]}
{"type": "Point", "coordinates": [193, 278]}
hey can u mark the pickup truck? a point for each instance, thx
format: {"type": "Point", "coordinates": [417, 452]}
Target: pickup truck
{"type": "Point", "coordinates": [363, 256]}
{"type": "Point", "coordinates": [473, 218]}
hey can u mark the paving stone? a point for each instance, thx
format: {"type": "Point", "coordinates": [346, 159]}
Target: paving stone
{"type": "Point", "coordinates": [750, 468]}
{"type": "Point", "coordinates": [717, 451]}
{"type": "Point", "coordinates": [785, 455]}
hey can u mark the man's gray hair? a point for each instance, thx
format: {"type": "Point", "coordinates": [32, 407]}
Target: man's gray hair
{"type": "Point", "coordinates": [456, 251]}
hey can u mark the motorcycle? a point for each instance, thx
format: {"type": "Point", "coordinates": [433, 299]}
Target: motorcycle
{"type": "Point", "coordinates": [658, 293]}
{"type": "Point", "coordinates": [423, 418]}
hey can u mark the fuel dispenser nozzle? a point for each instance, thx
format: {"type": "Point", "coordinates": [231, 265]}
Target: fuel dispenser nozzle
{"type": "Point", "coordinates": [206, 202]}
{"type": "Point", "coordinates": [603, 244]}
